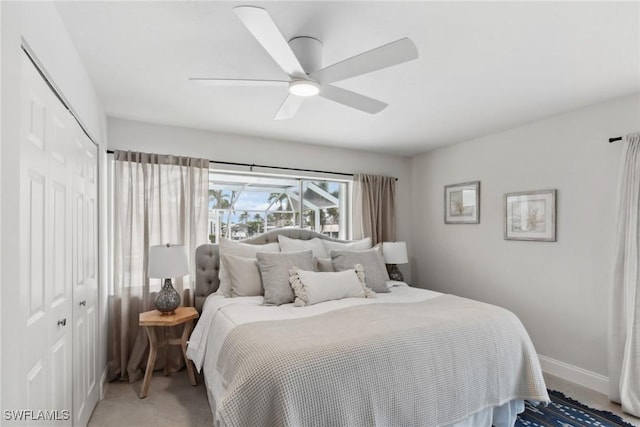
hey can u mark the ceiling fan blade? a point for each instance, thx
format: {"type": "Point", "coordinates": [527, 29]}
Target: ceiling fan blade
{"type": "Point", "coordinates": [289, 107]}
{"type": "Point", "coordinates": [352, 99]}
{"type": "Point", "coordinates": [261, 25]}
{"type": "Point", "coordinates": [237, 82]}
{"type": "Point", "coordinates": [391, 54]}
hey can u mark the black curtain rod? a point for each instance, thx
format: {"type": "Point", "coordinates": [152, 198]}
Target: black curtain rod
{"type": "Point", "coordinates": [617, 138]}
{"type": "Point", "coordinates": [253, 165]}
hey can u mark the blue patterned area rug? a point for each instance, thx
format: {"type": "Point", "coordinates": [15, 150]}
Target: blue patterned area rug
{"type": "Point", "coordinates": [566, 412]}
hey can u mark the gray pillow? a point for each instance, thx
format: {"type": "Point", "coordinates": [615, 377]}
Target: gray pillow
{"type": "Point", "coordinates": [230, 247]}
{"type": "Point", "coordinates": [244, 276]}
{"type": "Point", "coordinates": [324, 265]}
{"type": "Point", "coordinates": [274, 269]}
{"type": "Point", "coordinates": [375, 271]}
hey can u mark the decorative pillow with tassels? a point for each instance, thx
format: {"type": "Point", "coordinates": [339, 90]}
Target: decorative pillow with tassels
{"type": "Point", "coordinates": [312, 287]}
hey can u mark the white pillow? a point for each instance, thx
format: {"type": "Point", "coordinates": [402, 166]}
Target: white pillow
{"type": "Point", "coordinates": [297, 245]}
{"type": "Point", "coordinates": [244, 275]}
{"type": "Point", "coordinates": [246, 250]}
{"type": "Point", "coordinates": [312, 287]}
{"type": "Point", "coordinates": [356, 245]}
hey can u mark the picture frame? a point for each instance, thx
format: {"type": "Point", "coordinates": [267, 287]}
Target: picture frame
{"type": "Point", "coordinates": [530, 215]}
{"type": "Point", "coordinates": [462, 203]}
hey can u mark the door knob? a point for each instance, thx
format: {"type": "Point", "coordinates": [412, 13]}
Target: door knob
{"type": "Point", "coordinates": [83, 302]}
{"type": "Point", "coordinates": [62, 322]}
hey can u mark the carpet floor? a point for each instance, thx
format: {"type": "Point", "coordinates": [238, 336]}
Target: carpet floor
{"type": "Point", "coordinates": [174, 402]}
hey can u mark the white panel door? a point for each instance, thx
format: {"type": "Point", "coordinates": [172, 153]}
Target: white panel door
{"type": "Point", "coordinates": [44, 311]}
{"type": "Point", "coordinates": [56, 314]}
{"type": "Point", "coordinates": [85, 279]}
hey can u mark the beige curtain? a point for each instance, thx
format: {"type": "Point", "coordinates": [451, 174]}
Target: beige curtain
{"type": "Point", "coordinates": [374, 211]}
{"type": "Point", "coordinates": [157, 199]}
{"type": "Point", "coordinates": [624, 348]}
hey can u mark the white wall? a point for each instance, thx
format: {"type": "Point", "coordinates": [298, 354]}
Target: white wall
{"type": "Point", "coordinates": [40, 26]}
{"type": "Point", "coordinates": [145, 137]}
{"type": "Point", "coordinates": [559, 290]}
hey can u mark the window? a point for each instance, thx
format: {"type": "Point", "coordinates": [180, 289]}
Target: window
{"type": "Point", "coordinates": [242, 205]}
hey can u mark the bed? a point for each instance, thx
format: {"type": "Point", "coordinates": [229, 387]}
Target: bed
{"type": "Point", "coordinates": [408, 356]}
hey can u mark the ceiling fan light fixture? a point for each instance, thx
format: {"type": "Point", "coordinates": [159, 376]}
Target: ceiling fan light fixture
{"type": "Point", "coordinates": [304, 88]}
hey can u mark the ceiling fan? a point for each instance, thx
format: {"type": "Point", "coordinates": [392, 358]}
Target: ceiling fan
{"type": "Point", "coordinates": [300, 59]}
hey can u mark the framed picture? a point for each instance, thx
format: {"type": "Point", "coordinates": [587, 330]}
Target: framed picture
{"type": "Point", "coordinates": [462, 203]}
{"type": "Point", "coordinates": [530, 215]}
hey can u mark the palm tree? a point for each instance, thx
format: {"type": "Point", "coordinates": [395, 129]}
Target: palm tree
{"type": "Point", "coordinates": [255, 225]}
{"type": "Point", "coordinates": [230, 210]}
{"type": "Point", "coordinates": [221, 201]}
{"type": "Point", "coordinates": [278, 198]}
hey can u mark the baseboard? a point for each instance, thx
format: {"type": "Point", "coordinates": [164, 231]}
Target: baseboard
{"type": "Point", "coordinates": [576, 375]}
{"type": "Point", "coordinates": [103, 382]}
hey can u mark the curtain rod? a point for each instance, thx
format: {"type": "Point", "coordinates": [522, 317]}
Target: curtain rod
{"type": "Point", "coordinates": [617, 138]}
{"type": "Point", "coordinates": [253, 165]}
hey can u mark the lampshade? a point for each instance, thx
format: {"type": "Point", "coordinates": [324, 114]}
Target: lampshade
{"type": "Point", "coordinates": [395, 252]}
{"type": "Point", "coordinates": [168, 261]}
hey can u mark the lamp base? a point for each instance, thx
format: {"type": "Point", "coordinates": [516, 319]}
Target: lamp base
{"type": "Point", "coordinates": [395, 273]}
{"type": "Point", "coordinates": [167, 299]}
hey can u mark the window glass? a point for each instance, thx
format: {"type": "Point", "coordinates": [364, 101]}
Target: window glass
{"type": "Point", "coordinates": [243, 205]}
{"type": "Point", "coordinates": [321, 207]}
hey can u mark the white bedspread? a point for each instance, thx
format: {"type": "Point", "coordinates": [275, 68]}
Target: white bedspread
{"type": "Point", "coordinates": [226, 313]}
{"type": "Point", "coordinates": [221, 315]}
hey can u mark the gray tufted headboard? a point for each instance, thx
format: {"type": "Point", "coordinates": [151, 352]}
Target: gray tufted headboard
{"type": "Point", "coordinates": [208, 259]}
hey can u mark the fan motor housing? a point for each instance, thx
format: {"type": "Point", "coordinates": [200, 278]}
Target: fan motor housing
{"type": "Point", "coordinates": [308, 51]}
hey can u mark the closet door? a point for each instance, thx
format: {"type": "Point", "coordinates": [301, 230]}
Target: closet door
{"type": "Point", "coordinates": [56, 315]}
{"type": "Point", "coordinates": [85, 282]}
{"type": "Point", "coordinates": [43, 312]}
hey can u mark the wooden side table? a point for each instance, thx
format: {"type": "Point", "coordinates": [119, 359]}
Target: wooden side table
{"type": "Point", "coordinates": [152, 318]}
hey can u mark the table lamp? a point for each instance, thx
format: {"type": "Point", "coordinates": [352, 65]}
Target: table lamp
{"type": "Point", "coordinates": [395, 253]}
{"type": "Point", "coordinates": [166, 262]}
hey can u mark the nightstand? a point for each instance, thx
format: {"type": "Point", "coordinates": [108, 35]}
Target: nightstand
{"type": "Point", "coordinates": [149, 319]}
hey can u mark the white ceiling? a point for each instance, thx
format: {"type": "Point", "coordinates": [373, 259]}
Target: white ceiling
{"type": "Point", "coordinates": [482, 67]}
